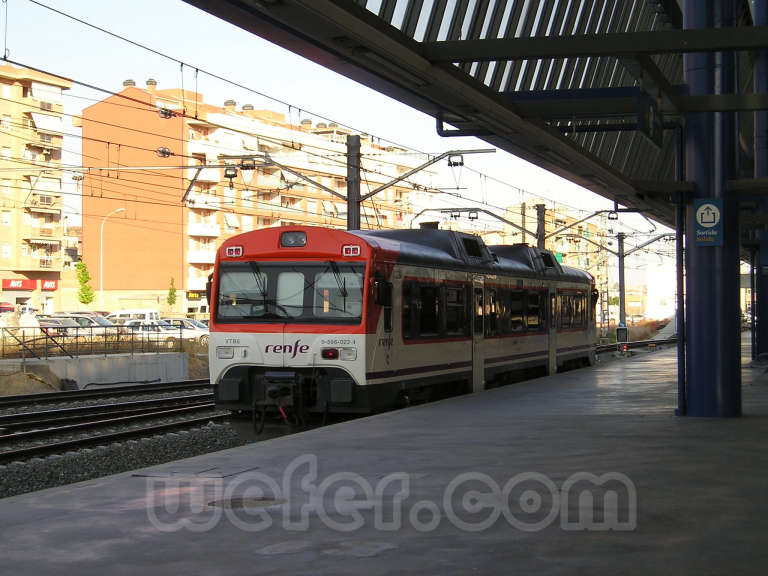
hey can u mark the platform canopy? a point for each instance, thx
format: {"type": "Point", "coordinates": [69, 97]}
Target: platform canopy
{"type": "Point", "coordinates": [592, 90]}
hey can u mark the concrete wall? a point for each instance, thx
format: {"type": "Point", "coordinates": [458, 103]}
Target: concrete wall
{"type": "Point", "coordinates": [165, 367]}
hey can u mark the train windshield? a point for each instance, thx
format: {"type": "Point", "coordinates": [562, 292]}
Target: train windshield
{"type": "Point", "coordinates": [291, 292]}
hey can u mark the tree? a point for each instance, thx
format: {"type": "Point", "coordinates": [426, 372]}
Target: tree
{"type": "Point", "coordinates": [614, 300]}
{"type": "Point", "coordinates": [171, 294]}
{"type": "Point", "coordinates": [85, 293]}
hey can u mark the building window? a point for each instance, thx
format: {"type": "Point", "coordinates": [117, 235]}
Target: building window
{"type": "Point", "coordinates": [6, 251]}
{"type": "Point", "coordinates": [246, 196]}
{"type": "Point", "coordinates": [45, 138]}
{"type": "Point", "coordinates": [6, 152]}
{"type": "Point", "coordinates": [5, 218]}
{"type": "Point", "coordinates": [247, 223]}
{"type": "Point", "coordinates": [6, 122]}
{"type": "Point", "coordinates": [6, 90]}
{"type": "Point", "coordinates": [46, 106]}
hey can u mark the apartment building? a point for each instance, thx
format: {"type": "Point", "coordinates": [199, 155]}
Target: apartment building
{"type": "Point", "coordinates": [31, 234]}
{"type": "Point", "coordinates": [168, 177]}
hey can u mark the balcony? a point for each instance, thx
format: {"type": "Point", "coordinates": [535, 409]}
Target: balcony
{"type": "Point", "coordinates": [42, 234]}
{"type": "Point", "coordinates": [30, 263]}
{"type": "Point", "coordinates": [203, 202]}
{"type": "Point", "coordinates": [206, 174]}
{"type": "Point", "coordinates": [201, 256]}
{"type": "Point", "coordinates": [196, 284]}
{"type": "Point", "coordinates": [45, 204]}
{"type": "Point", "coordinates": [204, 147]}
{"type": "Point", "coordinates": [204, 229]}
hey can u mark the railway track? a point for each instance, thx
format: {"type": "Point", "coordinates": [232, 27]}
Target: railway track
{"type": "Point", "coordinates": [113, 392]}
{"type": "Point", "coordinates": [39, 433]}
{"type": "Point", "coordinates": [634, 345]}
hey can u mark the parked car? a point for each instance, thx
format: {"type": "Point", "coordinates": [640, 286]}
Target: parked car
{"type": "Point", "coordinates": [153, 331]}
{"type": "Point", "coordinates": [190, 329]}
{"type": "Point", "coordinates": [89, 322]}
{"type": "Point", "coordinates": [58, 326]}
{"type": "Point", "coordinates": [145, 314]}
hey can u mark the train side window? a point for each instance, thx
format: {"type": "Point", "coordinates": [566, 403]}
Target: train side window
{"type": "Point", "coordinates": [533, 313]}
{"type": "Point", "coordinates": [429, 310]}
{"type": "Point", "coordinates": [502, 311]}
{"type": "Point", "coordinates": [579, 309]}
{"type": "Point", "coordinates": [455, 311]}
{"type": "Point", "coordinates": [566, 311]}
{"type": "Point", "coordinates": [516, 322]}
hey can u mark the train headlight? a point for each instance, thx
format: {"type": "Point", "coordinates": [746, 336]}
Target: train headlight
{"type": "Point", "coordinates": [225, 352]}
{"type": "Point", "coordinates": [348, 354]}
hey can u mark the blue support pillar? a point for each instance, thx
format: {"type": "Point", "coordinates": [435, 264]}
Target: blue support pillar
{"type": "Point", "coordinates": [761, 171]}
{"type": "Point", "coordinates": [713, 359]}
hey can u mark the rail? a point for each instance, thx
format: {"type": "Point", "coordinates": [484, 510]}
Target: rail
{"type": "Point", "coordinates": [59, 447]}
{"type": "Point", "coordinates": [619, 346]}
{"type": "Point", "coordinates": [113, 391]}
{"type": "Point", "coordinates": [43, 342]}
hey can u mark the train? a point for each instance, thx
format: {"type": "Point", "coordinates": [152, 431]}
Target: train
{"type": "Point", "coordinates": [316, 320]}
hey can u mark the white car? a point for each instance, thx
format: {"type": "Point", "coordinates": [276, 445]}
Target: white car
{"type": "Point", "coordinates": [150, 330]}
{"type": "Point", "coordinates": [190, 329]}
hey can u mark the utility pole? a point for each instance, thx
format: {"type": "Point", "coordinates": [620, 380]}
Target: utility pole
{"type": "Point", "coordinates": [353, 182]}
{"type": "Point", "coordinates": [522, 221]}
{"type": "Point", "coordinates": [541, 223]}
{"type": "Point", "coordinates": [622, 297]}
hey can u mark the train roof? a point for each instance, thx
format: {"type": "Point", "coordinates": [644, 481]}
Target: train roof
{"type": "Point", "coordinates": [430, 247]}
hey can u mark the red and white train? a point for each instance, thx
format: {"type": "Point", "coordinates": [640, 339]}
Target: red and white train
{"type": "Point", "coordinates": [324, 320]}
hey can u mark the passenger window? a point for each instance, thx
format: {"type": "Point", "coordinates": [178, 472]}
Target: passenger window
{"type": "Point", "coordinates": [516, 322]}
{"type": "Point", "coordinates": [429, 308]}
{"type": "Point", "coordinates": [455, 311]}
{"type": "Point", "coordinates": [534, 310]}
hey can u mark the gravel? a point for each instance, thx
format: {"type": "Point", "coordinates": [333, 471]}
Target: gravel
{"type": "Point", "coordinates": [88, 463]}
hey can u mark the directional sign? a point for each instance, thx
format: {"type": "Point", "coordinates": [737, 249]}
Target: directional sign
{"type": "Point", "coordinates": [708, 214]}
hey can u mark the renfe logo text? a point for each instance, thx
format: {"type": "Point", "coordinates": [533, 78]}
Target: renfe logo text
{"type": "Point", "coordinates": [291, 349]}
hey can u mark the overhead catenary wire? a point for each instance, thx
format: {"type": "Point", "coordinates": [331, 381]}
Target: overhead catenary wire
{"type": "Point", "coordinates": [237, 84]}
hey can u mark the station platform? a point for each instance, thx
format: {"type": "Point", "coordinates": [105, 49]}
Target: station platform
{"type": "Point", "coordinates": [584, 472]}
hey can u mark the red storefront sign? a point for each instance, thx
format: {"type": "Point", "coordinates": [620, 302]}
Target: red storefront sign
{"type": "Point", "coordinates": [20, 284]}
{"type": "Point", "coordinates": [49, 284]}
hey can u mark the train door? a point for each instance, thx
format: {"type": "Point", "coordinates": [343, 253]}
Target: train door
{"type": "Point", "coordinates": [552, 331]}
{"type": "Point", "coordinates": [478, 333]}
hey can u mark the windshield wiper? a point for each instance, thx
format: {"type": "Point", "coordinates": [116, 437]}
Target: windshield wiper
{"type": "Point", "coordinates": [341, 282]}
{"type": "Point", "coordinates": [261, 281]}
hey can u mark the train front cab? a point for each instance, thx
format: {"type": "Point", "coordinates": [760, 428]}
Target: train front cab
{"type": "Point", "coordinates": [304, 350]}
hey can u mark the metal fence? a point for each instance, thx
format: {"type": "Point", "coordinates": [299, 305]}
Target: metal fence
{"type": "Point", "coordinates": [49, 342]}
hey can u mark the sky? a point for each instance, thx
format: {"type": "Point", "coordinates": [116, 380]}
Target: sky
{"type": "Point", "coordinates": [40, 38]}
{"type": "Point", "coordinates": [278, 80]}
